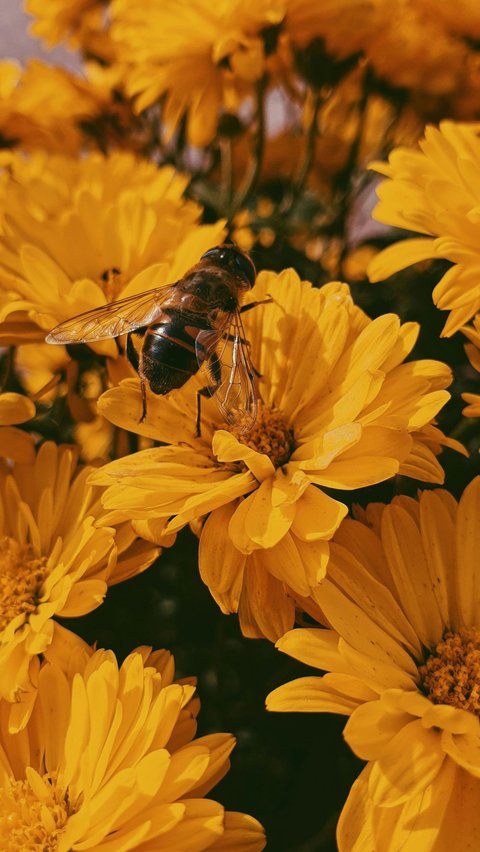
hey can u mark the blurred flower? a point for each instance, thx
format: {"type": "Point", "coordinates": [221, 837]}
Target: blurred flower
{"type": "Point", "coordinates": [338, 409]}
{"type": "Point", "coordinates": [83, 24]}
{"type": "Point", "coordinates": [436, 191]}
{"type": "Point", "coordinates": [56, 558]}
{"type": "Point", "coordinates": [194, 55]}
{"type": "Point", "coordinates": [105, 227]}
{"type": "Point", "coordinates": [402, 653]}
{"type": "Point", "coordinates": [17, 445]}
{"type": "Point", "coordinates": [41, 107]}
{"type": "Point", "coordinates": [108, 760]}
{"type": "Point", "coordinates": [405, 43]}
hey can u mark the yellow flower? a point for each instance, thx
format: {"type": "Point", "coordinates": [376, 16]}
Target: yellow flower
{"type": "Point", "coordinates": [15, 444]}
{"type": "Point", "coordinates": [436, 191]}
{"type": "Point", "coordinates": [440, 818]}
{"type": "Point", "coordinates": [81, 23]}
{"type": "Point", "coordinates": [403, 41]}
{"type": "Point", "coordinates": [402, 653]}
{"type": "Point", "coordinates": [338, 409]}
{"type": "Point", "coordinates": [109, 761]}
{"type": "Point", "coordinates": [344, 24]}
{"type": "Point", "coordinates": [56, 559]}
{"type": "Point", "coordinates": [92, 231]}
{"type": "Point", "coordinates": [473, 353]}
{"type": "Point", "coordinates": [41, 107]}
{"type": "Point", "coordinates": [193, 54]}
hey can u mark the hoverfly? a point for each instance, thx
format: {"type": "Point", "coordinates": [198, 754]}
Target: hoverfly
{"type": "Point", "coordinates": [175, 329]}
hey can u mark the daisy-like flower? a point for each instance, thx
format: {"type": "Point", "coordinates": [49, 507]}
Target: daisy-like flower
{"type": "Point", "coordinates": [402, 652]}
{"type": "Point", "coordinates": [57, 558]}
{"type": "Point", "coordinates": [16, 408]}
{"type": "Point", "coordinates": [472, 348]}
{"type": "Point", "coordinates": [337, 409]}
{"type": "Point", "coordinates": [435, 191]}
{"type": "Point", "coordinates": [82, 24]}
{"type": "Point", "coordinates": [108, 761]}
{"type": "Point", "coordinates": [193, 54]}
{"type": "Point", "coordinates": [103, 232]}
{"type": "Point", "coordinates": [41, 107]}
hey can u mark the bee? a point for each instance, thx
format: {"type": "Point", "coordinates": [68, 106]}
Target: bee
{"type": "Point", "coordinates": [174, 330]}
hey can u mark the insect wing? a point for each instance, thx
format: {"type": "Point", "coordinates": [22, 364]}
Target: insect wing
{"type": "Point", "coordinates": [113, 319]}
{"type": "Point", "coordinates": [225, 356]}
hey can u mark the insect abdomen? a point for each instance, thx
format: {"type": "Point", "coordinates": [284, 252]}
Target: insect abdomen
{"type": "Point", "coordinates": [169, 356]}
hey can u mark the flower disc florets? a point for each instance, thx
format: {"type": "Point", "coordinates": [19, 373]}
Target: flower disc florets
{"type": "Point", "coordinates": [21, 578]}
{"type": "Point", "coordinates": [451, 674]}
{"type": "Point", "coordinates": [271, 435]}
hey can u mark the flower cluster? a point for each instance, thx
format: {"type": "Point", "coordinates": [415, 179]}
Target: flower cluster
{"type": "Point", "coordinates": [402, 652]}
{"type": "Point", "coordinates": [269, 417]}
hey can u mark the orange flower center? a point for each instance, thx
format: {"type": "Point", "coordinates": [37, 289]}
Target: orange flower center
{"type": "Point", "coordinates": [21, 578]}
{"type": "Point", "coordinates": [32, 818]}
{"type": "Point", "coordinates": [451, 675]}
{"type": "Point", "coordinates": [271, 435]}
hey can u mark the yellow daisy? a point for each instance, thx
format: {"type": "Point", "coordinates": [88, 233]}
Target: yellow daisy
{"type": "Point", "coordinates": [442, 817]}
{"type": "Point", "coordinates": [402, 652]}
{"type": "Point", "coordinates": [83, 24]}
{"type": "Point", "coordinates": [192, 53]}
{"type": "Point", "coordinates": [435, 191]}
{"type": "Point", "coordinates": [41, 107]}
{"type": "Point", "coordinates": [105, 227]}
{"type": "Point", "coordinates": [472, 348]}
{"type": "Point", "coordinates": [17, 445]}
{"type": "Point", "coordinates": [57, 558]}
{"type": "Point", "coordinates": [337, 409]}
{"type": "Point", "coordinates": [108, 761]}
{"type": "Point", "coordinates": [404, 42]}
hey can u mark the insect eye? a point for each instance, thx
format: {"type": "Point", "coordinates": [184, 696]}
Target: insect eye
{"type": "Point", "coordinates": [216, 253]}
{"type": "Point", "coordinates": [246, 266]}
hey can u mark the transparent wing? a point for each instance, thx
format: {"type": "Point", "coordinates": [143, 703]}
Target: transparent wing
{"type": "Point", "coordinates": [113, 319]}
{"type": "Point", "coordinates": [225, 355]}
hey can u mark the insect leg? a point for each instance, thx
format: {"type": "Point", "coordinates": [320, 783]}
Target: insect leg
{"type": "Point", "coordinates": [216, 373]}
{"type": "Point", "coordinates": [144, 399]}
{"type": "Point", "coordinates": [132, 353]}
{"type": "Point", "coordinates": [251, 305]}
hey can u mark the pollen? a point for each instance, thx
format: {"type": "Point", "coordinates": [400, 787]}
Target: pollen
{"type": "Point", "coordinates": [451, 674]}
{"type": "Point", "coordinates": [32, 814]}
{"type": "Point", "coordinates": [271, 435]}
{"type": "Point", "coordinates": [21, 579]}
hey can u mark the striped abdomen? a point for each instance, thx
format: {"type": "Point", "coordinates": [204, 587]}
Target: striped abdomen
{"type": "Point", "coordinates": [169, 357]}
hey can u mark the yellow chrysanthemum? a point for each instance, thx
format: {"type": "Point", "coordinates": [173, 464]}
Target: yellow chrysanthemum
{"type": "Point", "coordinates": [193, 54]}
{"type": "Point", "coordinates": [83, 24]}
{"type": "Point", "coordinates": [15, 444]}
{"type": "Point", "coordinates": [472, 333]}
{"type": "Point", "coordinates": [99, 232]}
{"type": "Point", "coordinates": [403, 41]}
{"type": "Point", "coordinates": [56, 559]}
{"type": "Point", "coordinates": [338, 409]}
{"type": "Point", "coordinates": [108, 761]}
{"type": "Point", "coordinates": [436, 191]}
{"type": "Point", "coordinates": [402, 654]}
{"type": "Point", "coordinates": [41, 107]}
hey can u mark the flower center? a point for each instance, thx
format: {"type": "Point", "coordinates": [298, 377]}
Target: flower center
{"type": "Point", "coordinates": [451, 675]}
{"type": "Point", "coordinates": [271, 435]}
{"type": "Point", "coordinates": [21, 578]}
{"type": "Point", "coordinates": [112, 283]}
{"type": "Point", "coordinates": [32, 818]}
